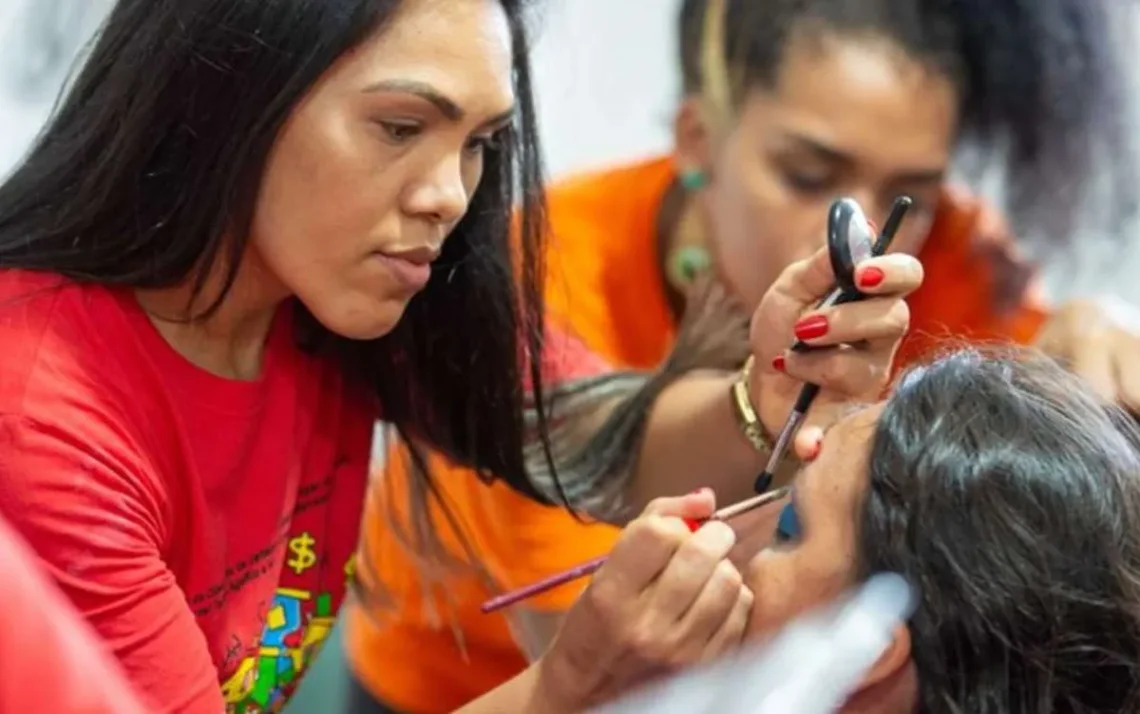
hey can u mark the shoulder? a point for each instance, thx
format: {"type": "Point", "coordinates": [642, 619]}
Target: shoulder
{"type": "Point", "coordinates": [972, 243]}
{"type": "Point", "coordinates": [605, 196]}
{"type": "Point", "coordinates": [56, 335]}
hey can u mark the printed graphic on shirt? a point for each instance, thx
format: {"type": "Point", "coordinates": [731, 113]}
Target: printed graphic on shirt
{"type": "Point", "coordinates": [296, 625]}
{"type": "Point", "coordinates": [263, 667]}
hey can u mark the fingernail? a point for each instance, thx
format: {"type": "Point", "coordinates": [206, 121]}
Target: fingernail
{"type": "Point", "coordinates": [811, 327]}
{"type": "Point", "coordinates": [702, 489]}
{"type": "Point", "coordinates": [870, 277]}
{"type": "Point", "coordinates": [693, 524]}
{"type": "Point", "coordinates": [815, 448]}
{"type": "Point", "coordinates": [778, 363]}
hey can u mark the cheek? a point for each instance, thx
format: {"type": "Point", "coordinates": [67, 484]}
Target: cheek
{"type": "Point", "coordinates": [788, 583]}
{"type": "Point", "coordinates": [320, 199]}
{"type": "Point", "coordinates": [759, 228]}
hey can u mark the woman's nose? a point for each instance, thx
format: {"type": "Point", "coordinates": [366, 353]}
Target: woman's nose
{"type": "Point", "coordinates": [441, 195]}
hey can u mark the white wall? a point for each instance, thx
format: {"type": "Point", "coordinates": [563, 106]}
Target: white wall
{"type": "Point", "coordinates": [605, 80]}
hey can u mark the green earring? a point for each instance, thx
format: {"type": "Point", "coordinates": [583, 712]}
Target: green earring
{"type": "Point", "coordinates": [693, 179]}
{"type": "Point", "coordinates": [690, 262]}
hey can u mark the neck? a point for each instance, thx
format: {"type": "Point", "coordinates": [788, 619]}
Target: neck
{"type": "Point", "coordinates": [230, 341]}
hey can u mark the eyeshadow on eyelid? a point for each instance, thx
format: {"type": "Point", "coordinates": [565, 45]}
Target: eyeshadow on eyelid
{"type": "Point", "coordinates": [788, 527]}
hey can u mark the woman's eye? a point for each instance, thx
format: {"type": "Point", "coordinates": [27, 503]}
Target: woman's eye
{"type": "Point", "coordinates": [788, 527]}
{"type": "Point", "coordinates": [808, 183]}
{"type": "Point", "coordinates": [479, 144]}
{"type": "Point", "coordinates": [398, 133]}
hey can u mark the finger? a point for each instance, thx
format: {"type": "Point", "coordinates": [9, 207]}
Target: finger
{"type": "Point", "coordinates": [715, 604]}
{"type": "Point", "coordinates": [807, 281]}
{"type": "Point", "coordinates": [891, 274]}
{"type": "Point", "coordinates": [1127, 368]}
{"type": "Point", "coordinates": [1091, 360]}
{"type": "Point", "coordinates": [735, 627]}
{"type": "Point", "coordinates": [685, 576]}
{"type": "Point", "coordinates": [696, 505]}
{"type": "Point", "coordinates": [641, 555]}
{"type": "Point", "coordinates": [807, 443]}
{"type": "Point", "coordinates": [847, 371]}
{"type": "Point", "coordinates": [865, 321]}
{"type": "Point", "coordinates": [1050, 340]}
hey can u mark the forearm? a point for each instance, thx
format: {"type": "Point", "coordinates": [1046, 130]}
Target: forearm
{"type": "Point", "coordinates": [692, 440]}
{"type": "Point", "coordinates": [523, 694]}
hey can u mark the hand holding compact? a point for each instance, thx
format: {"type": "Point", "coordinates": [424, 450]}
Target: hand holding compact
{"type": "Point", "coordinates": [845, 310]}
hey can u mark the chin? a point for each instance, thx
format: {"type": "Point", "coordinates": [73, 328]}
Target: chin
{"type": "Point", "coordinates": [363, 322]}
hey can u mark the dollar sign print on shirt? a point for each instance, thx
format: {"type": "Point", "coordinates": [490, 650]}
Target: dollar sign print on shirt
{"type": "Point", "coordinates": [302, 557]}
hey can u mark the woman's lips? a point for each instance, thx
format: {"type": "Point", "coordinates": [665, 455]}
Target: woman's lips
{"type": "Point", "coordinates": [410, 274]}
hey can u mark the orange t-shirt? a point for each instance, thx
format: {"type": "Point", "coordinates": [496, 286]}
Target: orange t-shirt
{"type": "Point", "coordinates": [604, 286]}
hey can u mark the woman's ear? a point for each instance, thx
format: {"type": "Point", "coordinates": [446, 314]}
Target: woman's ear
{"type": "Point", "coordinates": [891, 686]}
{"type": "Point", "coordinates": [893, 662]}
{"type": "Point", "coordinates": [692, 139]}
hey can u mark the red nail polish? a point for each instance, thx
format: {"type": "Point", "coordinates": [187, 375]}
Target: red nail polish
{"type": "Point", "coordinates": [811, 328]}
{"type": "Point", "coordinates": [871, 277]}
{"type": "Point", "coordinates": [815, 449]}
{"type": "Point", "coordinates": [693, 524]}
{"type": "Point", "coordinates": [779, 363]}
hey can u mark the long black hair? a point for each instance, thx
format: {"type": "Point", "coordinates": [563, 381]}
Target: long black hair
{"type": "Point", "coordinates": [1041, 83]}
{"type": "Point", "coordinates": [147, 173]}
{"type": "Point", "coordinates": [1004, 490]}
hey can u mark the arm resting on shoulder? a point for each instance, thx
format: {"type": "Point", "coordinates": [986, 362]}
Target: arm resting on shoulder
{"type": "Point", "coordinates": [621, 439]}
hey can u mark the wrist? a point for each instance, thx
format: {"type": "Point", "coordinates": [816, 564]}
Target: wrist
{"type": "Point", "coordinates": [551, 692]}
{"type": "Point", "coordinates": [746, 414]}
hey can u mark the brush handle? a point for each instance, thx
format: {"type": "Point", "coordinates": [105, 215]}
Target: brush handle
{"type": "Point", "coordinates": [591, 566]}
{"type": "Point", "coordinates": [579, 571]}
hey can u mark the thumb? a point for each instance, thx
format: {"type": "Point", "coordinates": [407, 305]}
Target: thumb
{"type": "Point", "coordinates": [808, 281]}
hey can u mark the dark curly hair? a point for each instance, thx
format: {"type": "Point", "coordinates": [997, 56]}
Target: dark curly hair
{"type": "Point", "coordinates": [1010, 496]}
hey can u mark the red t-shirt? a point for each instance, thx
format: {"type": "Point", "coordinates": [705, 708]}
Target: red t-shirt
{"type": "Point", "coordinates": [203, 526]}
{"type": "Point", "coordinates": [52, 661]}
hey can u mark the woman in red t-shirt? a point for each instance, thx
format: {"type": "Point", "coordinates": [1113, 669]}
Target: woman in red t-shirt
{"type": "Point", "coordinates": [225, 258]}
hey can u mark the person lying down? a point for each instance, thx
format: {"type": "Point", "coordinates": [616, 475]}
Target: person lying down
{"type": "Point", "coordinates": [1002, 489]}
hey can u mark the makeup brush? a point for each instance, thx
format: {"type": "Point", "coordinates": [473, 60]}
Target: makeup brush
{"type": "Point", "coordinates": [591, 566]}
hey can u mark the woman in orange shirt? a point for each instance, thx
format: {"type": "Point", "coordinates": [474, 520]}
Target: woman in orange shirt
{"type": "Point", "coordinates": [786, 106]}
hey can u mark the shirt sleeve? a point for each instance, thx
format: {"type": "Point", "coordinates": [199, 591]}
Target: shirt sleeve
{"type": "Point", "coordinates": [52, 660]}
{"type": "Point", "coordinates": [97, 519]}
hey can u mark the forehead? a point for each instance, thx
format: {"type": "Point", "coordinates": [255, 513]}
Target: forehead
{"type": "Point", "coordinates": [461, 47]}
{"type": "Point", "coordinates": [860, 93]}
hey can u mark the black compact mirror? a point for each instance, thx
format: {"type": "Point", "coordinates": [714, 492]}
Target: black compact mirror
{"type": "Point", "coordinates": [851, 240]}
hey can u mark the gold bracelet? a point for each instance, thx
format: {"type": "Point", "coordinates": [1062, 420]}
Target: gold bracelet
{"type": "Point", "coordinates": [746, 417]}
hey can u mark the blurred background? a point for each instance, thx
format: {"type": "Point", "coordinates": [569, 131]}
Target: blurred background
{"type": "Point", "coordinates": [605, 82]}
